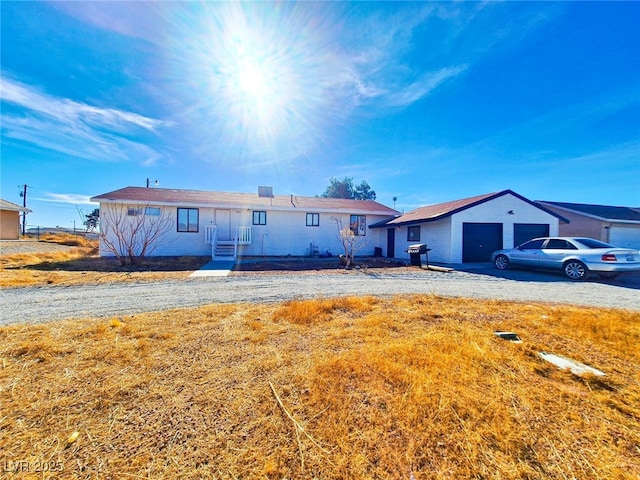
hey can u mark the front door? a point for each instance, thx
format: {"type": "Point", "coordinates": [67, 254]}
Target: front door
{"type": "Point", "coordinates": [223, 221]}
{"type": "Point", "coordinates": [391, 242]}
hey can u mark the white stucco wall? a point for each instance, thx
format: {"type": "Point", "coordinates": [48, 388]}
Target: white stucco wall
{"type": "Point", "coordinates": [285, 233]}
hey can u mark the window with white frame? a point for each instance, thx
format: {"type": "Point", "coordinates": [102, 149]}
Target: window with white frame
{"type": "Point", "coordinates": [313, 219]}
{"type": "Point", "coordinates": [153, 211]}
{"type": "Point", "coordinates": [358, 224]}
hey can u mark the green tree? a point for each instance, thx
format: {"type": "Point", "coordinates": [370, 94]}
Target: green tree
{"type": "Point", "coordinates": [364, 192]}
{"type": "Point", "coordinates": [346, 189]}
{"type": "Point", "coordinates": [91, 221]}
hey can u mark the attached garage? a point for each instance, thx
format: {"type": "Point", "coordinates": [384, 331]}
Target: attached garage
{"type": "Point", "coordinates": [619, 226]}
{"type": "Point", "coordinates": [627, 236]}
{"type": "Point", "coordinates": [469, 230]}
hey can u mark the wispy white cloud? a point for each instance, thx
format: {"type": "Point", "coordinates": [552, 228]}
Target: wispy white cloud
{"type": "Point", "coordinates": [417, 90]}
{"type": "Point", "coordinates": [65, 198]}
{"type": "Point", "coordinates": [75, 128]}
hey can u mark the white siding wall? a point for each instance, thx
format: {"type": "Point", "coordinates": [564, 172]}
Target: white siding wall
{"type": "Point", "coordinates": [285, 233]}
{"type": "Point", "coordinates": [437, 236]}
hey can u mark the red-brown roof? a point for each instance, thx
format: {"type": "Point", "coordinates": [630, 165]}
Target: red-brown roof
{"type": "Point", "coordinates": [431, 213]}
{"type": "Point", "coordinates": [162, 196]}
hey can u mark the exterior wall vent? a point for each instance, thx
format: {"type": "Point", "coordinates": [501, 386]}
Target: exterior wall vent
{"type": "Point", "coordinates": [265, 192]}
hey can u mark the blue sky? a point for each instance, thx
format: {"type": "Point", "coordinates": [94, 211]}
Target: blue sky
{"type": "Point", "coordinates": [427, 102]}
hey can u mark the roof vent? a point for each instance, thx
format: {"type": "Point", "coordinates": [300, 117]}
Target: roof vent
{"type": "Point", "coordinates": [265, 192]}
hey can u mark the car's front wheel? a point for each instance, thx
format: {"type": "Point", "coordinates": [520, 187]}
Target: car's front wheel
{"type": "Point", "coordinates": [501, 262]}
{"type": "Point", "coordinates": [575, 270]}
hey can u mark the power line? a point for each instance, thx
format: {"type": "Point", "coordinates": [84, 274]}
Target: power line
{"type": "Point", "coordinates": [23, 194]}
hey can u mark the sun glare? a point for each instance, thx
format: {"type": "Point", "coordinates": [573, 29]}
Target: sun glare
{"type": "Point", "coordinates": [258, 65]}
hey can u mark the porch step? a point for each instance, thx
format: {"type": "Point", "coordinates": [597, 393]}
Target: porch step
{"type": "Point", "coordinates": [224, 251]}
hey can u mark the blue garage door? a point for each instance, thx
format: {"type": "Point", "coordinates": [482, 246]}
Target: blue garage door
{"type": "Point", "coordinates": [479, 240]}
{"type": "Point", "coordinates": [523, 232]}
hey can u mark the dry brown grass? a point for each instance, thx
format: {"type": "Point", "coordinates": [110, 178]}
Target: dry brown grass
{"type": "Point", "coordinates": [409, 387]}
{"type": "Point", "coordinates": [81, 264]}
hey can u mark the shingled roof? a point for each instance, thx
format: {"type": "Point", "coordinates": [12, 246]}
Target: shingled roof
{"type": "Point", "coordinates": [431, 213]}
{"type": "Point", "coordinates": [601, 212]}
{"type": "Point", "coordinates": [165, 196]}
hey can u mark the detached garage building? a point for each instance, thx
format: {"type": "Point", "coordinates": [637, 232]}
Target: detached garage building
{"type": "Point", "coordinates": [469, 230]}
{"type": "Point", "coordinates": [619, 226]}
{"type": "Point", "coordinates": [10, 220]}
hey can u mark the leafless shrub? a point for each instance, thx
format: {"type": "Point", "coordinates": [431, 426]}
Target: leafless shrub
{"type": "Point", "coordinates": [350, 242]}
{"type": "Point", "coordinates": [130, 233]}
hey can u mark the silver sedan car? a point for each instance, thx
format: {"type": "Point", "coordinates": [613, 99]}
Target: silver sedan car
{"type": "Point", "coordinates": [575, 256]}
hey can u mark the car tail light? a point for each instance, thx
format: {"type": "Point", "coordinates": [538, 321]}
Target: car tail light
{"type": "Point", "coordinates": [609, 257]}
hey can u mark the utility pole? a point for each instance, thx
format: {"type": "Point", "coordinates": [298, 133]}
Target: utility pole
{"type": "Point", "coordinates": [23, 194]}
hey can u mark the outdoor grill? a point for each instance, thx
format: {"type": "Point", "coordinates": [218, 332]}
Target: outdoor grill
{"type": "Point", "coordinates": [415, 251]}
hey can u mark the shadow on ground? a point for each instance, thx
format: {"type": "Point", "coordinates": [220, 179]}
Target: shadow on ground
{"type": "Point", "coordinates": [627, 280]}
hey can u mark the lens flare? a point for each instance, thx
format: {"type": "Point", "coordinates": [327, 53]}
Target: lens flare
{"type": "Point", "coordinates": [258, 73]}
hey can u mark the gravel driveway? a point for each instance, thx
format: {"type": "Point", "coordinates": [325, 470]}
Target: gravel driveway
{"type": "Point", "coordinates": [37, 304]}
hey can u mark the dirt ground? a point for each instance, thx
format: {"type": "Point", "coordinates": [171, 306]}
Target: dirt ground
{"type": "Point", "coordinates": [298, 264]}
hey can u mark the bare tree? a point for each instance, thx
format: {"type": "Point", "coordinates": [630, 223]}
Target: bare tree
{"type": "Point", "coordinates": [349, 240]}
{"type": "Point", "coordinates": [132, 233]}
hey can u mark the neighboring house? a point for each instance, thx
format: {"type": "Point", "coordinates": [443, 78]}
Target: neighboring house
{"type": "Point", "coordinates": [10, 220]}
{"type": "Point", "coordinates": [228, 224]}
{"type": "Point", "coordinates": [469, 230]}
{"type": "Point", "coordinates": [619, 226]}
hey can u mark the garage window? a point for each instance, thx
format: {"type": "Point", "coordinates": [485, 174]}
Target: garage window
{"type": "Point", "coordinates": [413, 234]}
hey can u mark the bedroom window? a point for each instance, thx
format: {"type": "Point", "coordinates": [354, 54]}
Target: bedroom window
{"type": "Point", "coordinates": [413, 234]}
{"type": "Point", "coordinates": [313, 219]}
{"type": "Point", "coordinates": [358, 224]}
{"type": "Point", "coordinates": [259, 217]}
{"type": "Point", "coordinates": [188, 219]}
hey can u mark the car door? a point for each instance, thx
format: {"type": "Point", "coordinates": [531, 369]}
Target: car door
{"type": "Point", "coordinates": [528, 253]}
{"type": "Point", "coordinates": [555, 252]}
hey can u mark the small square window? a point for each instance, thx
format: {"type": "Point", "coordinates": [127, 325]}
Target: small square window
{"type": "Point", "coordinates": [133, 212]}
{"type": "Point", "coordinates": [313, 219]}
{"type": "Point", "coordinates": [413, 234]}
{"type": "Point", "coordinates": [259, 217]}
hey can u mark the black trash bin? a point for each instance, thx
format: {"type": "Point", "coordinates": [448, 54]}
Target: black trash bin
{"type": "Point", "coordinates": [415, 251]}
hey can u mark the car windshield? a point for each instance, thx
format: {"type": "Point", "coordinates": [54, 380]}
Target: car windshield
{"type": "Point", "coordinates": [591, 243]}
